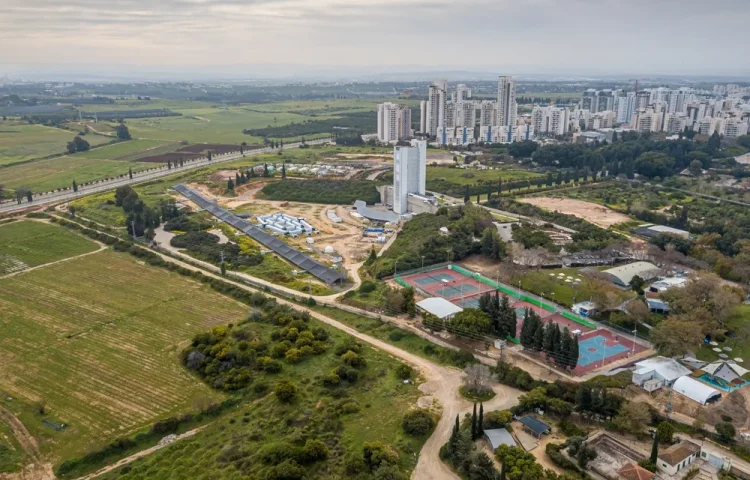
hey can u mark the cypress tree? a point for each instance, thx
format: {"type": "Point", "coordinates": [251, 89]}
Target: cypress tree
{"type": "Point", "coordinates": [130, 172]}
{"type": "Point", "coordinates": [655, 450]}
{"type": "Point", "coordinates": [499, 186]}
{"type": "Point", "coordinates": [474, 422]}
{"type": "Point", "coordinates": [502, 471]}
{"type": "Point", "coordinates": [480, 421]}
{"type": "Point", "coordinates": [573, 356]}
{"type": "Point", "coordinates": [489, 192]}
{"type": "Point", "coordinates": [549, 339]}
{"type": "Point", "coordinates": [477, 199]}
{"type": "Point", "coordinates": [467, 199]}
{"type": "Point", "coordinates": [283, 171]}
{"type": "Point", "coordinates": [538, 336]}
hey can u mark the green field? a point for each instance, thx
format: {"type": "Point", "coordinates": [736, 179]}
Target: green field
{"type": "Point", "coordinates": [12, 456]}
{"type": "Point", "coordinates": [343, 418]}
{"type": "Point", "coordinates": [128, 151]}
{"type": "Point", "coordinates": [541, 282]}
{"type": "Point", "coordinates": [740, 346]}
{"type": "Point", "coordinates": [97, 340]}
{"type": "Point", "coordinates": [28, 244]}
{"type": "Point", "coordinates": [462, 176]}
{"type": "Point", "coordinates": [59, 172]}
{"type": "Point", "coordinates": [22, 142]}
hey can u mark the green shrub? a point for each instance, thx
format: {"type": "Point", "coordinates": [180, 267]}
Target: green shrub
{"type": "Point", "coordinates": [403, 371]}
{"type": "Point", "coordinates": [367, 286]}
{"type": "Point", "coordinates": [417, 422]}
{"type": "Point", "coordinates": [286, 391]}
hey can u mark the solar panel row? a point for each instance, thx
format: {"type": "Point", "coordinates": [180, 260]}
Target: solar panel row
{"type": "Point", "coordinates": [269, 241]}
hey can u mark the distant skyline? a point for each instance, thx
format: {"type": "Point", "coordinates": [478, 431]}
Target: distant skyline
{"type": "Point", "coordinates": [284, 38]}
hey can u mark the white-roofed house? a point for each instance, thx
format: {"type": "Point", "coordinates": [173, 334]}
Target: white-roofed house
{"type": "Point", "coordinates": [653, 373]}
{"type": "Point", "coordinates": [695, 390]}
{"type": "Point", "coordinates": [439, 307]}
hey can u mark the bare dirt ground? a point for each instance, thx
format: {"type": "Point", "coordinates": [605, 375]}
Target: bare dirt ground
{"type": "Point", "coordinates": [36, 470]}
{"type": "Point", "coordinates": [345, 237]}
{"type": "Point", "coordinates": [591, 212]}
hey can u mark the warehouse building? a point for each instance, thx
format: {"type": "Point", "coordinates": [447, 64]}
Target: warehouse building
{"type": "Point", "coordinates": [623, 274]}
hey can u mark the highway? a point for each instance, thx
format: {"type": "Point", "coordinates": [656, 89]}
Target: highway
{"type": "Point", "coordinates": [64, 196]}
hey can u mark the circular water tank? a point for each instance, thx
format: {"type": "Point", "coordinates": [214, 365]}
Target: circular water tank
{"type": "Point", "coordinates": [328, 249]}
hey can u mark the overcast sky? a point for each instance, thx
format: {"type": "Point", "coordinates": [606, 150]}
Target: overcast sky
{"type": "Point", "coordinates": [507, 36]}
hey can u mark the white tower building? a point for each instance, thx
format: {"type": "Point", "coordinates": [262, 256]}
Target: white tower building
{"type": "Point", "coordinates": [409, 173]}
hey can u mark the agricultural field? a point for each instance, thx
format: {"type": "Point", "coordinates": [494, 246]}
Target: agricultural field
{"type": "Point", "coordinates": [25, 244]}
{"type": "Point", "coordinates": [98, 361]}
{"type": "Point", "coordinates": [343, 417]}
{"type": "Point", "coordinates": [59, 172]}
{"type": "Point", "coordinates": [130, 150]}
{"type": "Point", "coordinates": [20, 142]}
{"type": "Point", "coordinates": [12, 456]}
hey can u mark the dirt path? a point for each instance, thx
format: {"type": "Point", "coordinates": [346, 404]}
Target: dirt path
{"type": "Point", "coordinates": [442, 383]}
{"type": "Point", "coordinates": [140, 454]}
{"type": "Point", "coordinates": [62, 260]}
{"type": "Point", "coordinates": [36, 470]}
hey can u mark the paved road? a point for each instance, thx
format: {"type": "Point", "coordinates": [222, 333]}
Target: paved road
{"type": "Point", "coordinates": [12, 206]}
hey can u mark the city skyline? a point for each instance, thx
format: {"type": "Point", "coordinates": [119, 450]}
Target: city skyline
{"type": "Point", "coordinates": [177, 36]}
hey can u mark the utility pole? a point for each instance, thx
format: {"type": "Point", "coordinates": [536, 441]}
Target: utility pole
{"type": "Point", "coordinates": [132, 225]}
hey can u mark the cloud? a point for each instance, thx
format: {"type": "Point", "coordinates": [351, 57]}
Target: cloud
{"type": "Point", "coordinates": [617, 36]}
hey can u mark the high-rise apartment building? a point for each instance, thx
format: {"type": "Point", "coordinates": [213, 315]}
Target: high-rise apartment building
{"type": "Point", "coordinates": [423, 116]}
{"type": "Point", "coordinates": [507, 110]}
{"type": "Point", "coordinates": [436, 100]}
{"type": "Point", "coordinates": [461, 93]}
{"type": "Point", "coordinates": [674, 123]}
{"type": "Point", "coordinates": [394, 122]}
{"type": "Point", "coordinates": [487, 113]}
{"type": "Point", "coordinates": [551, 121]}
{"type": "Point", "coordinates": [466, 114]}
{"type": "Point", "coordinates": [409, 173]}
{"type": "Point", "coordinates": [625, 106]}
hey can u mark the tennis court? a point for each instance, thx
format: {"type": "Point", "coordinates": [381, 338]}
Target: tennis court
{"type": "Point", "coordinates": [601, 347]}
{"type": "Point", "coordinates": [449, 285]}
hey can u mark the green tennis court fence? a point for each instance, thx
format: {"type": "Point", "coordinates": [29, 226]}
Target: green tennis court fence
{"type": "Point", "coordinates": [520, 296]}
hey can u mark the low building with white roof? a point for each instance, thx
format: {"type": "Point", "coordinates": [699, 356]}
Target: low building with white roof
{"type": "Point", "coordinates": [653, 373]}
{"type": "Point", "coordinates": [439, 307]}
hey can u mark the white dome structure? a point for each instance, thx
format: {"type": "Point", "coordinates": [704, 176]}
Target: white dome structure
{"type": "Point", "coordinates": [328, 249]}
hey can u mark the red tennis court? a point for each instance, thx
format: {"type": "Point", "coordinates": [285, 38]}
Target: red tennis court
{"type": "Point", "coordinates": [449, 285]}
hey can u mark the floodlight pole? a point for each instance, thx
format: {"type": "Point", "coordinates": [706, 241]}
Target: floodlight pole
{"type": "Point", "coordinates": [422, 263]}
{"type": "Point", "coordinates": [395, 269]}
{"type": "Point", "coordinates": [635, 331]}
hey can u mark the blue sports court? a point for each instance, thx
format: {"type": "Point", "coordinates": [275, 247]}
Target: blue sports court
{"type": "Point", "coordinates": [593, 350]}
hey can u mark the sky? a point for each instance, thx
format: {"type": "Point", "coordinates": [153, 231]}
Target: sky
{"type": "Point", "coordinates": [682, 37]}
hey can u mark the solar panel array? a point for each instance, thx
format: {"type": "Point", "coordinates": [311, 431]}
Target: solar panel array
{"type": "Point", "coordinates": [269, 241]}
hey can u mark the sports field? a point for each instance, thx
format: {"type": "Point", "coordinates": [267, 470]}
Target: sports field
{"type": "Point", "coordinates": [25, 244]}
{"type": "Point", "coordinates": [97, 340]}
{"type": "Point", "coordinates": [597, 346]}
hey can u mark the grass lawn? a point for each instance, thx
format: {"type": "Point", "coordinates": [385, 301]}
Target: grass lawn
{"type": "Point", "coordinates": [28, 244]}
{"type": "Point", "coordinates": [740, 348]}
{"type": "Point", "coordinates": [541, 282]}
{"type": "Point", "coordinates": [20, 142]}
{"type": "Point", "coordinates": [97, 339]}
{"type": "Point", "coordinates": [316, 413]}
{"type": "Point", "coordinates": [462, 176]}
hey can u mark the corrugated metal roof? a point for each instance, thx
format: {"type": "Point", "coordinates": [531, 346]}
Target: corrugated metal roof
{"type": "Point", "coordinates": [667, 368]}
{"type": "Point", "coordinates": [538, 426]}
{"type": "Point", "coordinates": [499, 436]}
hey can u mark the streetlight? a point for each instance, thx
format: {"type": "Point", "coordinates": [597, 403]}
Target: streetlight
{"type": "Point", "coordinates": [422, 263]}
{"type": "Point", "coordinates": [395, 268]}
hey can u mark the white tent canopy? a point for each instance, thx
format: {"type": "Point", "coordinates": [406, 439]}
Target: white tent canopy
{"type": "Point", "coordinates": [727, 371]}
{"type": "Point", "coordinates": [695, 390]}
{"type": "Point", "coordinates": [440, 307]}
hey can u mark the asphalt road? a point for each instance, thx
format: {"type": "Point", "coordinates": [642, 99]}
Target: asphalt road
{"type": "Point", "coordinates": [12, 206]}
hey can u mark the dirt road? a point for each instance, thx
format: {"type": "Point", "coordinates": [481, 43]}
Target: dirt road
{"type": "Point", "coordinates": [441, 383]}
{"type": "Point", "coordinates": [140, 454]}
